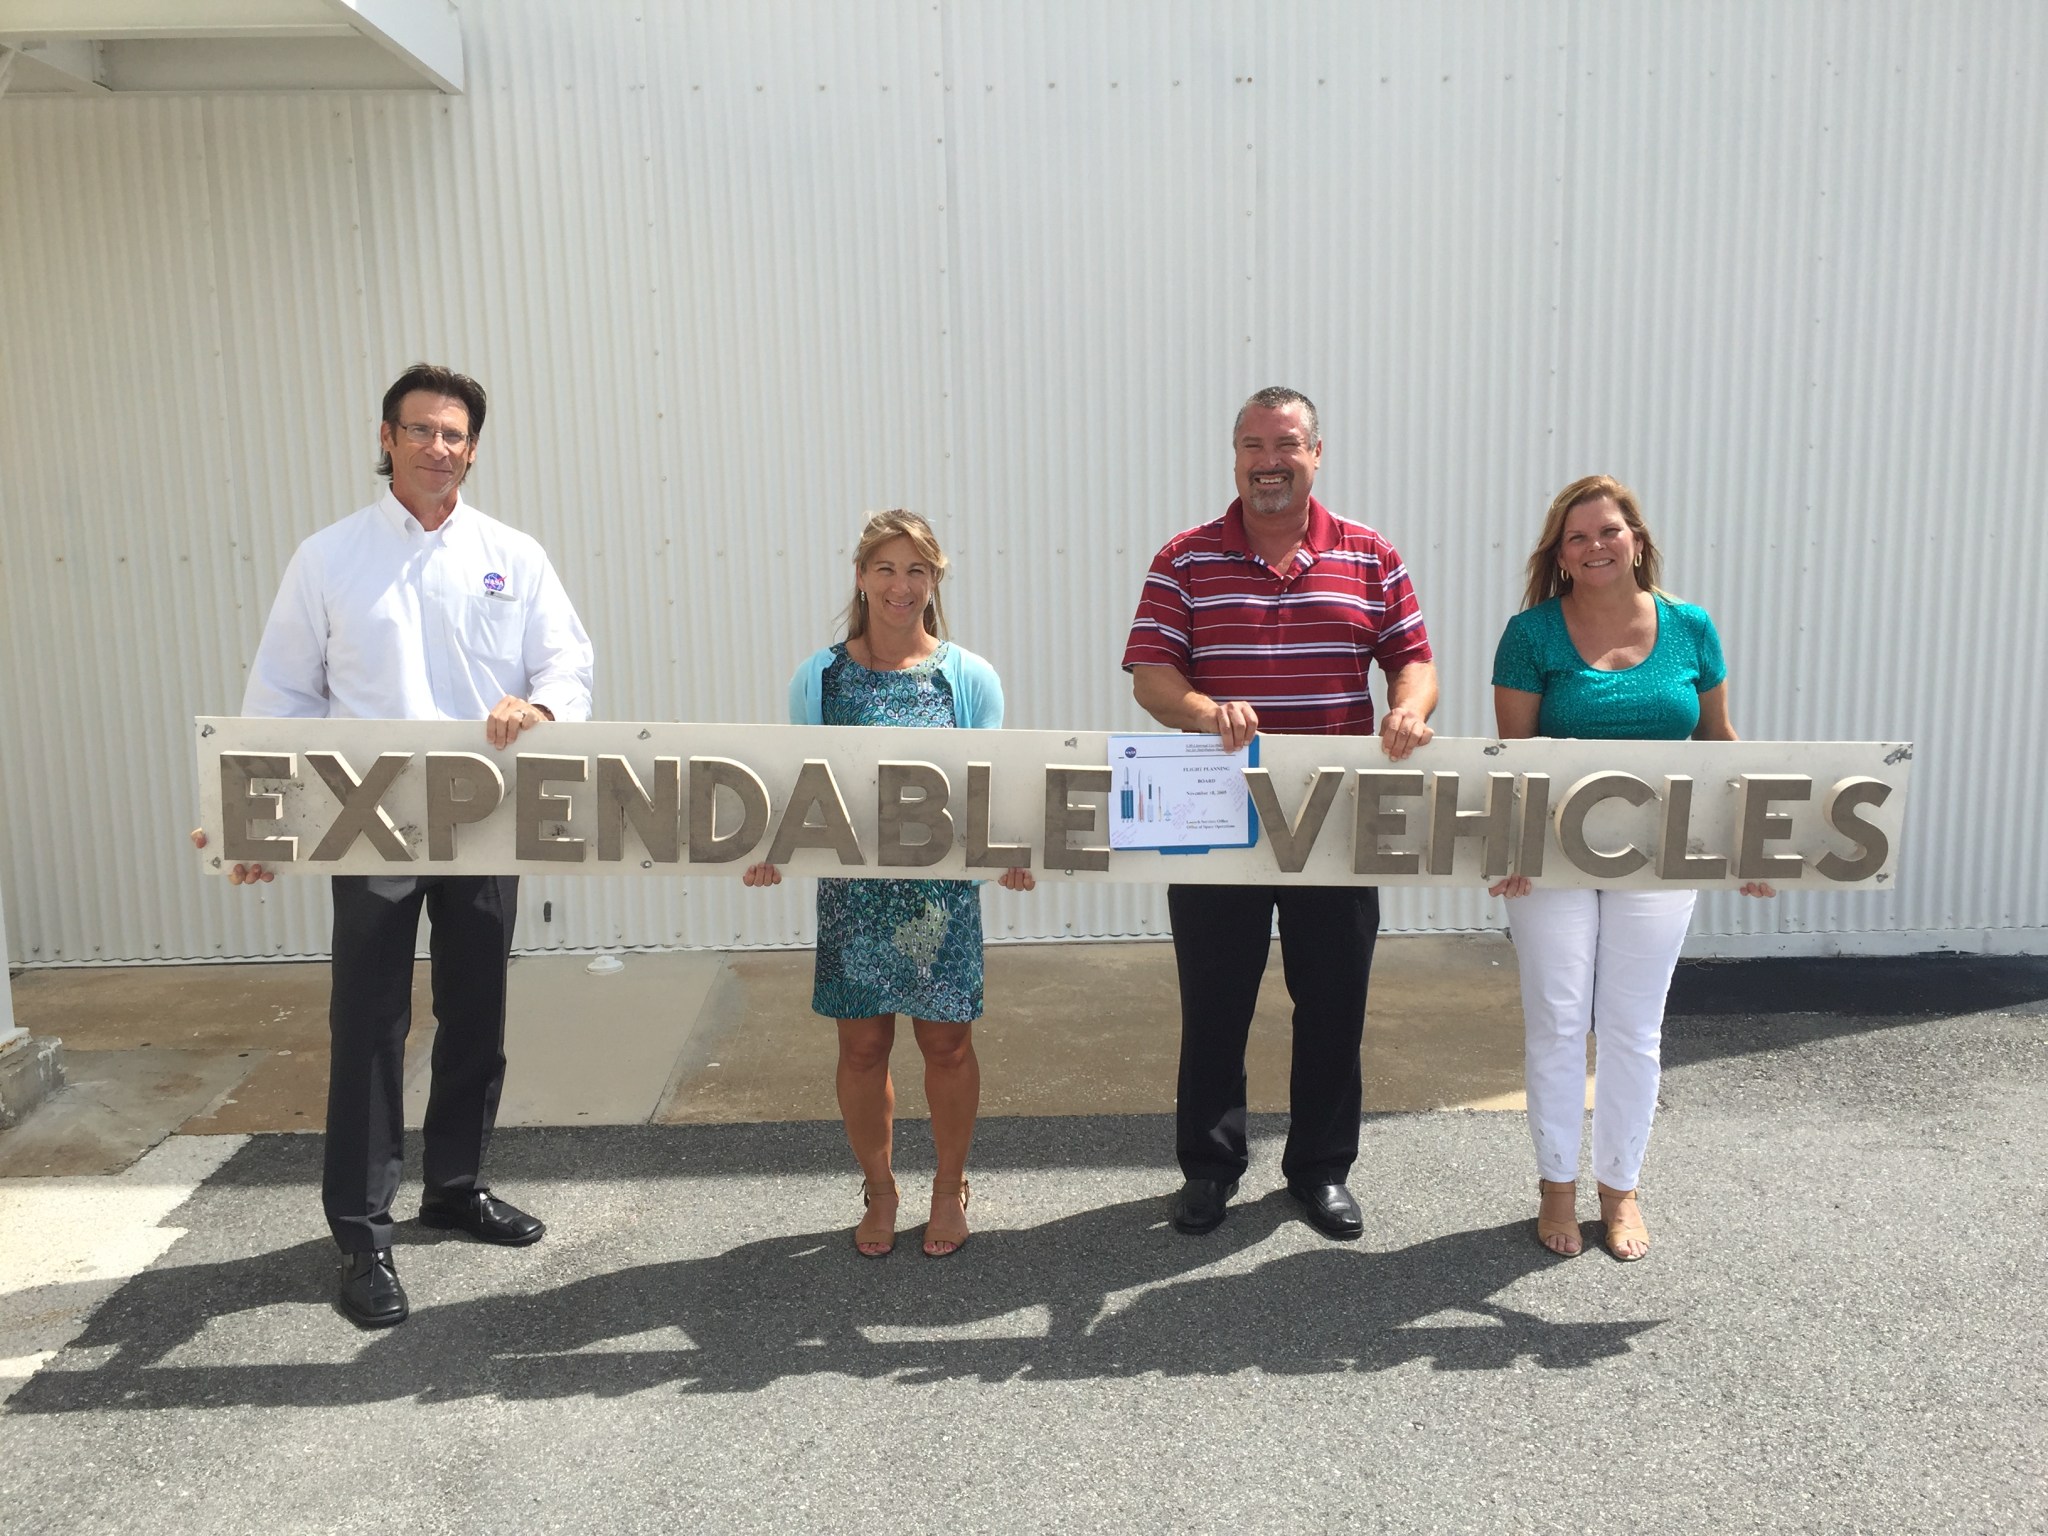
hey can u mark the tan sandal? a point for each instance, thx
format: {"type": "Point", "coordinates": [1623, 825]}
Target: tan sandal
{"type": "Point", "coordinates": [870, 1246]}
{"type": "Point", "coordinates": [1623, 1218]}
{"type": "Point", "coordinates": [948, 1247]}
{"type": "Point", "coordinates": [1549, 1225]}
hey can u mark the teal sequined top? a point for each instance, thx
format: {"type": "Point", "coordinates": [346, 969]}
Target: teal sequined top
{"type": "Point", "coordinates": [1658, 699]}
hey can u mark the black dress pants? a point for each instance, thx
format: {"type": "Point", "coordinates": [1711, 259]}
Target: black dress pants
{"type": "Point", "coordinates": [1222, 935]}
{"type": "Point", "coordinates": [376, 928]}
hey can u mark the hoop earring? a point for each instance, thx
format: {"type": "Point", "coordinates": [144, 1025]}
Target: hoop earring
{"type": "Point", "coordinates": [861, 595]}
{"type": "Point", "coordinates": [1639, 557]}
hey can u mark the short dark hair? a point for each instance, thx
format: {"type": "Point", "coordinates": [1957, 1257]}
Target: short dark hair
{"type": "Point", "coordinates": [435, 380]}
{"type": "Point", "coordinates": [1272, 398]}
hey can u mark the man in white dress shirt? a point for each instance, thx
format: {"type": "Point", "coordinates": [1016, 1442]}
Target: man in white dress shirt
{"type": "Point", "coordinates": [419, 607]}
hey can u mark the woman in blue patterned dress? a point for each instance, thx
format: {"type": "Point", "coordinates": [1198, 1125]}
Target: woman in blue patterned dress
{"type": "Point", "coordinates": [1600, 651]}
{"type": "Point", "coordinates": [901, 946]}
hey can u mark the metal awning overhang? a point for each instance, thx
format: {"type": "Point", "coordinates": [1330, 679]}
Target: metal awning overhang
{"type": "Point", "coordinates": [121, 47]}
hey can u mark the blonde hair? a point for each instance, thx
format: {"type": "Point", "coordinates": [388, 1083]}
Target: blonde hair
{"type": "Point", "coordinates": [878, 530]}
{"type": "Point", "coordinates": [1547, 580]}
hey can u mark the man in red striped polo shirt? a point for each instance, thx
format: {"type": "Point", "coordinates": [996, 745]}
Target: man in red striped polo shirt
{"type": "Point", "coordinates": [1270, 618]}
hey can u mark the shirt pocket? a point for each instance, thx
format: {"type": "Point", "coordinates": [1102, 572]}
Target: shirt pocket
{"type": "Point", "coordinates": [494, 629]}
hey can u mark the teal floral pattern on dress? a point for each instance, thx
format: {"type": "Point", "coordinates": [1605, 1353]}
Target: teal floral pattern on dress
{"type": "Point", "coordinates": [896, 946]}
{"type": "Point", "coordinates": [923, 937]}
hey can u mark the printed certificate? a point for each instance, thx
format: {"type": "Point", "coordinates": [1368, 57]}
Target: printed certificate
{"type": "Point", "coordinates": [1179, 793]}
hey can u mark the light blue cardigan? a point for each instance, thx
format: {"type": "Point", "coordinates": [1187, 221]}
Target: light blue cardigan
{"type": "Point", "coordinates": [977, 691]}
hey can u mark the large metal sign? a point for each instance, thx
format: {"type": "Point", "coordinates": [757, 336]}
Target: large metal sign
{"type": "Point", "coordinates": [381, 797]}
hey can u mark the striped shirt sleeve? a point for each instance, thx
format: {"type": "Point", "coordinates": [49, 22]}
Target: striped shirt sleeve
{"type": "Point", "coordinates": [1403, 640]}
{"type": "Point", "coordinates": [1160, 632]}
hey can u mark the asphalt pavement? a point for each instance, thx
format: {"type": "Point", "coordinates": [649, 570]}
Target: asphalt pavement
{"type": "Point", "coordinates": [1840, 1327]}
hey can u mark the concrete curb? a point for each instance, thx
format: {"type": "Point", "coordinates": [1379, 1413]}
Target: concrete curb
{"type": "Point", "coordinates": [31, 1069]}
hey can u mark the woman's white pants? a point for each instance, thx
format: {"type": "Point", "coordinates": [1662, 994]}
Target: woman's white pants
{"type": "Point", "coordinates": [1599, 960]}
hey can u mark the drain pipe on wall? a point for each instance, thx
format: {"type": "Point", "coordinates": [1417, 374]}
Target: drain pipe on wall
{"type": "Point", "coordinates": [10, 1032]}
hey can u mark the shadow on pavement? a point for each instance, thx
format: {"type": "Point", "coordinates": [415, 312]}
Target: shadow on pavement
{"type": "Point", "coordinates": [1721, 1008]}
{"type": "Point", "coordinates": [1110, 1292]}
{"type": "Point", "coordinates": [1869, 986]}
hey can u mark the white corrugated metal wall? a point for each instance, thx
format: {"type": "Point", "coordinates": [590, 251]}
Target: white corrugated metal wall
{"type": "Point", "coordinates": [734, 274]}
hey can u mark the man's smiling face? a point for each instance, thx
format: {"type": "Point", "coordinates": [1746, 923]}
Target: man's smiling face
{"type": "Point", "coordinates": [1276, 462]}
{"type": "Point", "coordinates": [428, 473]}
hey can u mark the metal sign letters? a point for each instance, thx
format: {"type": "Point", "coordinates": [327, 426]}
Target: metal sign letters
{"type": "Point", "coordinates": [381, 797]}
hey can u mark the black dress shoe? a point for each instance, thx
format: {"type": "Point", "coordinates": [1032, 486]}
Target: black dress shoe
{"type": "Point", "coordinates": [370, 1292]}
{"type": "Point", "coordinates": [1330, 1210]}
{"type": "Point", "coordinates": [1199, 1205]}
{"type": "Point", "coordinates": [483, 1217]}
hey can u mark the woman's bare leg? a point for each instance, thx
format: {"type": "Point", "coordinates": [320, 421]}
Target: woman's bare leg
{"type": "Point", "coordinates": [952, 1087]}
{"type": "Point", "coordinates": [867, 1104]}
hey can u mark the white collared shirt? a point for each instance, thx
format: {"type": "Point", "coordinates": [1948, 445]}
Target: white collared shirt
{"type": "Point", "coordinates": [378, 619]}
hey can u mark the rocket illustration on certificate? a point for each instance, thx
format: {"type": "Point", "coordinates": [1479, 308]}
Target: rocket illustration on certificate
{"type": "Point", "coordinates": [1180, 793]}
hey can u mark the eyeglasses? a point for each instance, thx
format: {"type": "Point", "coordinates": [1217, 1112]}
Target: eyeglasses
{"type": "Point", "coordinates": [419, 434]}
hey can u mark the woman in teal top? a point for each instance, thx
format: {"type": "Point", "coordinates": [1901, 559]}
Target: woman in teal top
{"type": "Point", "coordinates": [1658, 699]}
{"type": "Point", "coordinates": [900, 946]}
{"type": "Point", "coordinates": [1599, 651]}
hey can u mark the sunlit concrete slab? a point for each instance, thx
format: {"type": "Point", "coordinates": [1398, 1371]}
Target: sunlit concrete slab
{"type": "Point", "coordinates": [586, 1049]}
{"type": "Point", "coordinates": [256, 1034]}
{"type": "Point", "coordinates": [1095, 1029]}
{"type": "Point", "coordinates": [1070, 1029]}
{"type": "Point", "coordinates": [114, 1107]}
{"type": "Point", "coordinates": [187, 1007]}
